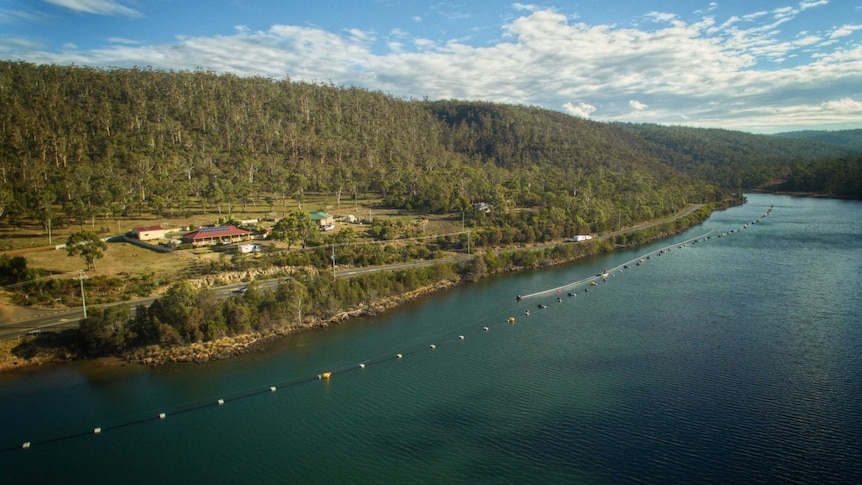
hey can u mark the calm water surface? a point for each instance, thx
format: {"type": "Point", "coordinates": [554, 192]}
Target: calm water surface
{"type": "Point", "coordinates": [736, 359]}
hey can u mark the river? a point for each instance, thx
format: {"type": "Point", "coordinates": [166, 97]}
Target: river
{"type": "Point", "coordinates": [733, 359]}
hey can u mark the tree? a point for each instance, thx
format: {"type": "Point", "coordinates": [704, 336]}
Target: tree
{"type": "Point", "coordinates": [297, 226]}
{"type": "Point", "coordinates": [175, 308]}
{"type": "Point", "coordinates": [13, 269]}
{"type": "Point", "coordinates": [106, 330]}
{"type": "Point", "coordinates": [88, 245]}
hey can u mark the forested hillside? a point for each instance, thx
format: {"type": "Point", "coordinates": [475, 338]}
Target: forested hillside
{"type": "Point", "coordinates": [848, 138]}
{"type": "Point", "coordinates": [733, 158]}
{"type": "Point", "coordinates": [81, 143]}
{"type": "Point", "coordinates": [840, 177]}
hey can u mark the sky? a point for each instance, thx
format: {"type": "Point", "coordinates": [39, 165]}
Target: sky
{"type": "Point", "coordinates": [760, 66]}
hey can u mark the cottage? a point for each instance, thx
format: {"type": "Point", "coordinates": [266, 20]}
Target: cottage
{"type": "Point", "coordinates": [323, 220]}
{"type": "Point", "coordinates": [149, 233]}
{"type": "Point", "coordinates": [216, 235]}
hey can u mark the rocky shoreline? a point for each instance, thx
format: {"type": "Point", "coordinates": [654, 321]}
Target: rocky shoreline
{"type": "Point", "coordinates": [229, 347]}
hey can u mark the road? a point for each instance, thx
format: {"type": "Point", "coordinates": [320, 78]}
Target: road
{"type": "Point", "coordinates": [53, 320]}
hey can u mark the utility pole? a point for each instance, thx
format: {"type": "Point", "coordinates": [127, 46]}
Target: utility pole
{"type": "Point", "coordinates": [333, 260]}
{"type": "Point", "coordinates": [81, 278]}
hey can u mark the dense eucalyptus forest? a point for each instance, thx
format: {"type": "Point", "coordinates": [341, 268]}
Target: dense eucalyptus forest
{"type": "Point", "coordinates": [80, 145]}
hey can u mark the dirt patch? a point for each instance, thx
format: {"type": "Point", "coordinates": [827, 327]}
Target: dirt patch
{"type": "Point", "coordinates": [35, 350]}
{"type": "Point", "coordinates": [13, 313]}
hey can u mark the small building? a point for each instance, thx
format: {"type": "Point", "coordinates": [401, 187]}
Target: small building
{"type": "Point", "coordinates": [482, 207]}
{"type": "Point", "coordinates": [581, 237]}
{"type": "Point", "coordinates": [149, 233]}
{"type": "Point", "coordinates": [322, 219]}
{"type": "Point", "coordinates": [249, 248]}
{"type": "Point", "coordinates": [350, 218]}
{"type": "Point", "coordinates": [216, 235]}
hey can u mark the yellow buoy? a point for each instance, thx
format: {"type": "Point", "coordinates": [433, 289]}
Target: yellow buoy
{"type": "Point", "coordinates": [326, 375]}
{"type": "Point", "coordinates": [511, 319]}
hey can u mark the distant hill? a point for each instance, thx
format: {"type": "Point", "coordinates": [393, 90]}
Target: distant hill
{"type": "Point", "coordinates": [848, 138]}
{"type": "Point", "coordinates": [732, 158]}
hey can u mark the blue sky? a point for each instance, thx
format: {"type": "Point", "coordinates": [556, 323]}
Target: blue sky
{"type": "Point", "coordinates": [764, 66]}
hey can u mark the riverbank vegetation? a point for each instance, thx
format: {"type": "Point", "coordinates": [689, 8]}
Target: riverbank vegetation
{"type": "Point", "coordinates": [87, 154]}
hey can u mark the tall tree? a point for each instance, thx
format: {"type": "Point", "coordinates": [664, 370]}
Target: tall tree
{"type": "Point", "coordinates": [88, 245]}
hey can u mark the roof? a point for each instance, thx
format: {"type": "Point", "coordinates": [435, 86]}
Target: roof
{"type": "Point", "coordinates": [149, 228]}
{"type": "Point", "coordinates": [318, 215]}
{"type": "Point", "coordinates": [220, 231]}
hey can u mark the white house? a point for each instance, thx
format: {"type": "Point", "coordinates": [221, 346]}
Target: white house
{"type": "Point", "coordinates": [149, 233]}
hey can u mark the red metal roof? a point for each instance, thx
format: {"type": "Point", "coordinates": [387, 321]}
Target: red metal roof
{"type": "Point", "coordinates": [213, 232]}
{"type": "Point", "coordinates": [149, 228]}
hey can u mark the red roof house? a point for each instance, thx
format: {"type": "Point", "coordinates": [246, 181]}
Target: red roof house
{"type": "Point", "coordinates": [149, 232]}
{"type": "Point", "coordinates": [215, 235]}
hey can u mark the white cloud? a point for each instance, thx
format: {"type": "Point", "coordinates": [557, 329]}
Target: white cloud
{"type": "Point", "coordinates": [844, 105]}
{"type": "Point", "coordinates": [99, 7]}
{"type": "Point", "coordinates": [361, 36]}
{"type": "Point", "coordinates": [449, 10]}
{"type": "Point", "coordinates": [712, 6]}
{"type": "Point", "coordinates": [637, 105]}
{"type": "Point", "coordinates": [523, 6]}
{"type": "Point", "coordinates": [661, 17]}
{"type": "Point", "coordinates": [581, 110]}
{"type": "Point", "coordinates": [844, 31]}
{"type": "Point", "coordinates": [807, 5]}
{"type": "Point", "coordinates": [8, 15]}
{"type": "Point", "coordinates": [399, 34]}
{"type": "Point", "coordinates": [121, 40]}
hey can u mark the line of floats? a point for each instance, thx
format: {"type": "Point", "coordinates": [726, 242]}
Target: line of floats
{"type": "Point", "coordinates": [593, 280]}
{"type": "Point", "coordinates": [327, 375]}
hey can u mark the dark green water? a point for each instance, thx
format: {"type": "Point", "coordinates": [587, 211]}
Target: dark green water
{"type": "Point", "coordinates": [735, 359]}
